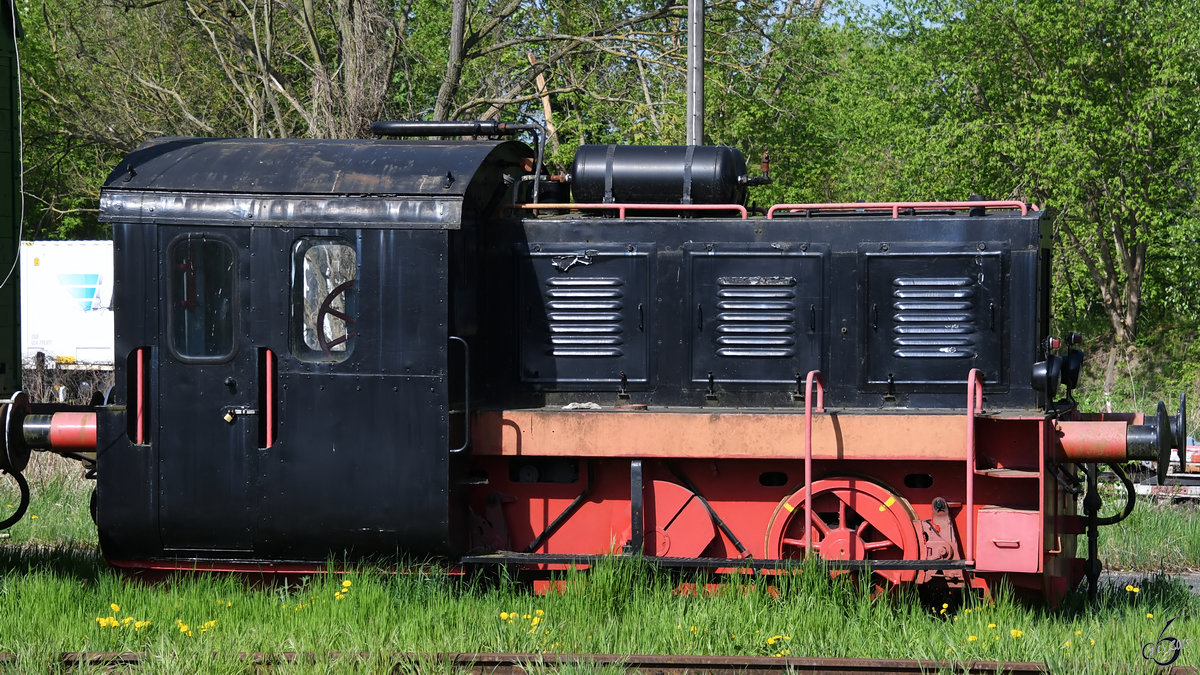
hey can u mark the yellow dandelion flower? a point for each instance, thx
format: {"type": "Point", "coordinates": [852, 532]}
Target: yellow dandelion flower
{"type": "Point", "coordinates": [115, 607]}
{"type": "Point", "coordinates": [995, 637]}
{"type": "Point", "coordinates": [347, 583]}
{"type": "Point", "coordinates": [1067, 643]}
{"type": "Point", "coordinates": [968, 611]}
{"type": "Point", "coordinates": [546, 632]}
{"type": "Point", "coordinates": [504, 616]}
{"type": "Point", "coordinates": [678, 626]}
{"type": "Point", "coordinates": [1091, 641]}
{"type": "Point", "coordinates": [945, 605]}
{"type": "Point", "coordinates": [229, 604]}
{"type": "Point", "coordinates": [1135, 589]}
{"type": "Point", "coordinates": [991, 625]}
{"type": "Point", "coordinates": [1149, 615]}
{"type": "Point", "coordinates": [787, 637]}
{"type": "Point", "coordinates": [777, 655]}
{"type": "Point", "coordinates": [943, 611]}
{"type": "Point", "coordinates": [100, 620]}
{"type": "Point", "coordinates": [540, 613]}
{"type": "Point", "coordinates": [694, 629]}
{"type": "Point", "coordinates": [1079, 632]}
{"type": "Point", "coordinates": [972, 638]}
{"type": "Point", "coordinates": [1016, 633]}
{"type": "Point", "coordinates": [770, 640]}
{"type": "Point", "coordinates": [127, 620]}
{"type": "Point", "coordinates": [338, 596]}
{"type": "Point", "coordinates": [189, 633]}
{"type": "Point", "coordinates": [786, 652]}
{"type": "Point", "coordinates": [536, 621]}
{"type": "Point", "coordinates": [732, 636]}
{"type": "Point", "coordinates": [33, 517]}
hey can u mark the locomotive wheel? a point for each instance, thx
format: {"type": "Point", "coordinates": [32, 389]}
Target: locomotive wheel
{"type": "Point", "coordinates": [852, 519]}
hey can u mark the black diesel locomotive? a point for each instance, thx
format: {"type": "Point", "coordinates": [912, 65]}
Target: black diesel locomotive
{"type": "Point", "coordinates": [392, 347]}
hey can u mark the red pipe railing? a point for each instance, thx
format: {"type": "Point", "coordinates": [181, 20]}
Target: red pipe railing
{"type": "Point", "coordinates": [814, 376]}
{"type": "Point", "coordinates": [896, 207]}
{"type": "Point", "coordinates": [974, 405]}
{"type": "Point", "coordinates": [622, 208]}
{"type": "Point", "coordinates": [269, 403]}
{"type": "Point", "coordinates": [140, 419]}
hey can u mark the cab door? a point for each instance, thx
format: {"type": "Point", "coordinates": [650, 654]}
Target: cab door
{"type": "Point", "coordinates": [206, 427]}
{"type": "Point", "coordinates": [358, 460]}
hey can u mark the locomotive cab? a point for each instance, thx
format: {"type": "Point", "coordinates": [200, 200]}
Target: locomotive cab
{"type": "Point", "coordinates": [286, 346]}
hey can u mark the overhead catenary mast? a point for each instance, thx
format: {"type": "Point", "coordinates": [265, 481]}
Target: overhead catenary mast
{"type": "Point", "coordinates": [695, 73]}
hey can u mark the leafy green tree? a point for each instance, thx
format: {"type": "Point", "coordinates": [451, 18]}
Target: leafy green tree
{"type": "Point", "coordinates": [1090, 108]}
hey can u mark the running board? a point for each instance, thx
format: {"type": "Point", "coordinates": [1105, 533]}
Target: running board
{"type": "Point", "coordinates": [513, 558]}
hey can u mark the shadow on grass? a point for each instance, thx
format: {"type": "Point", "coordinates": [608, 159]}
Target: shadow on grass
{"type": "Point", "coordinates": [83, 563]}
{"type": "Point", "coordinates": [1161, 590]}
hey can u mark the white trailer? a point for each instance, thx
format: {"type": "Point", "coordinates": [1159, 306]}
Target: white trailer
{"type": "Point", "coordinates": [66, 302]}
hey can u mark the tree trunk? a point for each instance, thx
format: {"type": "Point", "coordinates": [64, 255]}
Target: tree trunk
{"type": "Point", "coordinates": [454, 60]}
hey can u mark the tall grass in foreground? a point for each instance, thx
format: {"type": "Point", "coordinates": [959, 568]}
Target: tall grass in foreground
{"type": "Point", "coordinates": [57, 594]}
{"type": "Point", "coordinates": [51, 604]}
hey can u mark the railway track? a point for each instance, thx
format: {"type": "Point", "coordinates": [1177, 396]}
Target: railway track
{"type": "Point", "coordinates": [651, 664]}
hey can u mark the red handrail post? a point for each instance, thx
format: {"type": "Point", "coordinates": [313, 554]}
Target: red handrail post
{"type": "Point", "coordinates": [813, 376]}
{"type": "Point", "coordinates": [269, 404]}
{"type": "Point", "coordinates": [974, 406]}
{"type": "Point", "coordinates": [139, 431]}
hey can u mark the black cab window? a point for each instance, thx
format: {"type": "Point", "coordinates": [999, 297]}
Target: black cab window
{"type": "Point", "coordinates": [324, 302]}
{"type": "Point", "coordinates": [203, 280]}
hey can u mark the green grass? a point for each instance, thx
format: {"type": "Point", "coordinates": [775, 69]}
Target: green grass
{"type": "Point", "coordinates": [1158, 536]}
{"type": "Point", "coordinates": [51, 604]}
{"type": "Point", "coordinates": [54, 588]}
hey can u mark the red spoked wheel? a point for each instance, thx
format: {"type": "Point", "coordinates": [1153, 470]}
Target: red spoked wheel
{"type": "Point", "coordinates": [852, 519]}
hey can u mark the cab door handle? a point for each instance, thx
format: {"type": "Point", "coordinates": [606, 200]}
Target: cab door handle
{"type": "Point", "coordinates": [232, 412]}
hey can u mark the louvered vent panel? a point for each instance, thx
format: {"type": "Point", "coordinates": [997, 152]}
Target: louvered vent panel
{"type": "Point", "coordinates": [584, 315]}
{"type": "Point", "coordinates": [756, 317]}
{"type": "Point", "coordinates": [934, 318]}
